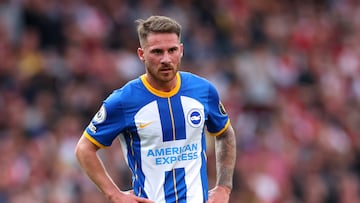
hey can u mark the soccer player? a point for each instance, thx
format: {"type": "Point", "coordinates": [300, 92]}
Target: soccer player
{"type": "Point", "coordinates": [160, 119]}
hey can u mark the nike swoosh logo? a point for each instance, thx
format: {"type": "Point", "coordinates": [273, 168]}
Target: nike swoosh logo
{"type": "Point", "coordinates": [144, 125]}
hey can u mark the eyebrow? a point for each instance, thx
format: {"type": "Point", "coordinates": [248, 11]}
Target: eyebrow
{"type": "Point", "coordinates": [161, 50]}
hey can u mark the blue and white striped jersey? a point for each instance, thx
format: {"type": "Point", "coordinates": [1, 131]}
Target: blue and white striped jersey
{"type": "Point", "coordinates": [162, 135]}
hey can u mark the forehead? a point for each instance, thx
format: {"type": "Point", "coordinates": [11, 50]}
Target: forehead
{"type": "Point", "coordinates": [162, 41]}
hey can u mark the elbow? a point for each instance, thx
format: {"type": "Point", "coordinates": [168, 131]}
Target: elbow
{"type": "Point", "coordinates": [80, 148]}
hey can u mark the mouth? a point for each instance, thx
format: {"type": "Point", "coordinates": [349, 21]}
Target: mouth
{"type": "Point", "coordinates": [165, 69]}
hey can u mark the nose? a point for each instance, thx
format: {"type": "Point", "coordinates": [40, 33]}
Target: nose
{"type": "Point", "coordinates": [165, 58]}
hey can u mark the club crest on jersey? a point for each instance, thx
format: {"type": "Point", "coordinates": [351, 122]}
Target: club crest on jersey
{"type": "Point", "coordinates": [195, 118]}
{"type": "Point", "coordinates": [100, 116]}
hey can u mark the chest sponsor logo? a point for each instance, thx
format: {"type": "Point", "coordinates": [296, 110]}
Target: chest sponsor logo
{"type": "Point", "coordinates": [169, 155]}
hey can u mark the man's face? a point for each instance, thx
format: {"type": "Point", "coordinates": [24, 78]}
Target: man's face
{"type": "Point", "coordinates": [161, 54]}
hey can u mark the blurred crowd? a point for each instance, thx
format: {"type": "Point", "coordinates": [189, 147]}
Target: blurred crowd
{"type": "Point", "coordinates": [288, 72]}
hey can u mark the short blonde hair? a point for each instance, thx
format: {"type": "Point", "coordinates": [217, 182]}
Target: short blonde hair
{"type": "Point", "coordinates": [156, 24]}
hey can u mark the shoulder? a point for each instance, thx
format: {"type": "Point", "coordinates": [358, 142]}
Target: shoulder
{"type": "Point", "coordinates": [187, 77]}
{"type": "Point", "coordinates": [193, 81]}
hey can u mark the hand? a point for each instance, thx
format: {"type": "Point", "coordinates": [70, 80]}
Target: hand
{"type": "Point", "coordinates": [219, 194]}
{"type": "Point", "coordinates": [129, 197]}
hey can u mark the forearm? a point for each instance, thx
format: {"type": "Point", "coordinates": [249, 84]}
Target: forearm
{"type": "Point", "coordinates": [94, 168]}
{"type": "Point", "coordinates": [225, 149]}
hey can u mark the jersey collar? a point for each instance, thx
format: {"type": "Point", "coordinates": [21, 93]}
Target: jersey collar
{"type": "Point", "coordinates": [161, 93]}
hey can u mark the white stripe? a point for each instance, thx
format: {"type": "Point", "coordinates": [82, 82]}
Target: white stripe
{"type": "Point", "coordinates": [193, 177]}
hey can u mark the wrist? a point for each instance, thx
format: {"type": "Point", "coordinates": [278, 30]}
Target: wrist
{"type": "Point", "coordinates": [224, 188]}
{"type": "Point", "coordinates": [114, 194]}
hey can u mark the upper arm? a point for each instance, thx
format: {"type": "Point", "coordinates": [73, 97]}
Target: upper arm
{"type": "Point", "coordinates": [229, 133]}
{"type": "Point", "coordinates": [85, 145]}
{"type": "Point", "coordinates": [107, 123]}
{"type": "Point", "coordinates": [218, 119]}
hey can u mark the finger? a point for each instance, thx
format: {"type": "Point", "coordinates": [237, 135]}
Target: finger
{"type": "Point", "coordinates": [143, 200]}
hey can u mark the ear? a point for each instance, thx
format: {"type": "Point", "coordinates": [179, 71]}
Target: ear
{"type": "Point", "coordinates": [140, 53]}
{"type": "Point", "coordinates": [181, 50]}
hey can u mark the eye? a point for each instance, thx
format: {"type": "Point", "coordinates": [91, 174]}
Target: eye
{"type": "Point", "coordinates": [173, 50]}
{"type": "Point", "coordinates": [157, 51]}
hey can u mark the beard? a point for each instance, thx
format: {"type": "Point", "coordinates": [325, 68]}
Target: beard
{"type": "Point", "coordinates": [163, 74]}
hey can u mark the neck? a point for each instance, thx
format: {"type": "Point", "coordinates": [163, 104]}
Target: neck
{"type": "Point", "coordinates": [164, 86]}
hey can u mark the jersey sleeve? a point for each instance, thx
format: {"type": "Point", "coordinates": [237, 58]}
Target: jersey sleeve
{"type": "Point", "coordinates": [107, 123]}
{"type": "Point", "coordinates": [218, 120]}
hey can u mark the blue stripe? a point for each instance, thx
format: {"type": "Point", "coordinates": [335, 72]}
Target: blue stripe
{"type": "Point", "coordinates": [203, 170]}
{"type": "Point", "coordinates": [175, 192]}
{"type": "Point", "coordinates": [165, 119]}
{"type": "Point", "coordinates": [179, 118]}
{"type": "Point", "coordinates": [177, 112]}
{"type": "Point", "coordinates": [134, 160]}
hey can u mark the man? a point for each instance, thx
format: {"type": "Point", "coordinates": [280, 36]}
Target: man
{"type": "Point", "coordinates": [160, 119]}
